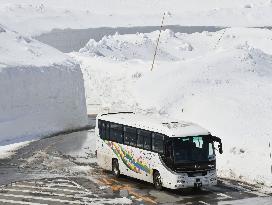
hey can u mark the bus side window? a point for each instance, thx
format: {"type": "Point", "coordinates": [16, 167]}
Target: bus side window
{"type": "Point", "coordinates": [142, 134]}
{"type": "Point", "coordinates": [133, 140]}
{"type": "Point", "coordinates": [130, 136]}
{"type": "Point", "coordinates": [126, 136]}
{"type": "Point", "coordinates": [140, 140]}
{"type": "Point", "coordinates": [100, 127]}
{"type": "Point", "coordinates": [147, 142]}
{"type": "Point", "coordinates": [102, 130]}
{"type": "Point", "coordinates": [116, 133]}
{"type": "Point", "coordinates": [107, 131]}
{"type": "Point", "coordinates": [157, 143]}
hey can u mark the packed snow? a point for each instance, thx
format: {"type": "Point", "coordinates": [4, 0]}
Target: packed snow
{"type": "Point", "coordinates": [9, 150]}
{"type": "Point", "coordinates": [223, 86]}
{"type": "Point", "coordinates": [41, 90]}
{"type": "Point", "coordinates": [34, 17]}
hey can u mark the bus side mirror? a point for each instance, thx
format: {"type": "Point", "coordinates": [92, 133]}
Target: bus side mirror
{"type": "Point", "coordinates": [220, 148]}
{"type": "Point", "coordinates": [217, 139]}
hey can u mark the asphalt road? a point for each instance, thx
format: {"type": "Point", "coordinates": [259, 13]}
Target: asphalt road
{"type": "Point", "coordinates": [62, 170]}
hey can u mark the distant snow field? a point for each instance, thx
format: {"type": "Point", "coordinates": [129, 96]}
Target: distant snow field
{"type": "Point", "coordinates": [223, 86]}
{"type": "Point", "coordinates": [31, 17]}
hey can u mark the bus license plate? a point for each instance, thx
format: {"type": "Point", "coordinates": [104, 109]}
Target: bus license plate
{"type": "Point", "coordinates": [198, 184]}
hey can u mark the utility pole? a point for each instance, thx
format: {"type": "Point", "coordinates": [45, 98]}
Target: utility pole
{"type": "Point", "coordinates": [217, 43]}
{"type": "Point", "coordinates": [270, 155]}
{"type": "Point", "coordinates": [158, 40]}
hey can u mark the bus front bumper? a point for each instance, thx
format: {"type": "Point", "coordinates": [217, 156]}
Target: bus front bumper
{"type": "Point", "coordinates": [184, 181]}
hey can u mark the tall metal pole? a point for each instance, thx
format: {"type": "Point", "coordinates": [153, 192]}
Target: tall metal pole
{"type": "Point", "coordinates": [217, 43]}
{"type": "Point", "coordinates": [158, 40]}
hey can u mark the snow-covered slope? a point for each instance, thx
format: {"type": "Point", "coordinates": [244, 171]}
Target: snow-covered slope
{"type": "Point", "coordinates": [223, 86]}
{"type": "Point", "coordinates": [33, 17]}
{"type": "Point", "coordinates": [41, 90]}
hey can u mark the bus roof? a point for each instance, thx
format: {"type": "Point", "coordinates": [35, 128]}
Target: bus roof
{"type": "Point", "coordinates": [156, 124]}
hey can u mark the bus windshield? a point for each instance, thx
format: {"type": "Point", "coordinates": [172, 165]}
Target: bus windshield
{"type": "Point", "coordinates": [193, 149]}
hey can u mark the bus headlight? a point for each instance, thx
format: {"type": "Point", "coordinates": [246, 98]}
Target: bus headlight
{"type": "Point", "coordinates": [213, 179]}
{"type": "Point", "coordinates": [180, 181]}
{"type": "Point", "coordinates": [182, 175]}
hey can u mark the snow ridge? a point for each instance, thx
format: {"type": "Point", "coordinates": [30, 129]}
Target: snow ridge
{"type": "Point", "coordinates": [125, 47]}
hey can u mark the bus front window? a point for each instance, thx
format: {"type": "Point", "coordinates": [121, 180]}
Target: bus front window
{"type": "Point", "coordinates": [193, 149]}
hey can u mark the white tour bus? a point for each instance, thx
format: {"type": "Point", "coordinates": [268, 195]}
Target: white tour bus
{"type": "Point", "coordinates": [166, 153]}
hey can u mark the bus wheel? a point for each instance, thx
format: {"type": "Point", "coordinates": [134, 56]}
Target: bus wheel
{"type": "Point", "coordinates": [157, 180]}
{"type": "Point", "coordinates": [115, 168]}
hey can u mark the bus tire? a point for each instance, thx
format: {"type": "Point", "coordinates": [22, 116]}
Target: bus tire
{"type": "Point", "coordinates": [115, 168]}
{"type": "Point", "coordinates": [157, 180]}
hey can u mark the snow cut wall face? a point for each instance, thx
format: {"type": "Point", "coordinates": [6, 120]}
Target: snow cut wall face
{"type": "Point", "coordinates": [41, 90]}
{"type": "Point", "coordinates": [36, 101]}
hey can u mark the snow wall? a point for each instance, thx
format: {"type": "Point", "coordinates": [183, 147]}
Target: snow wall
{"type": "Point", "coordinates": [41, 90]}
{"type": "Point", "coordinates": [37, 101]}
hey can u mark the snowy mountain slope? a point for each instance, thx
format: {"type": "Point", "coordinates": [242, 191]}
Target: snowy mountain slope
{"type": "Point", "coordinates": [34, 17]}
{"type": "Point", "coordinates": [41, 90]}
{"type": "Point", "coordinates": [228, 94]}
{"type": "Point", "coordinates": [224, 88]}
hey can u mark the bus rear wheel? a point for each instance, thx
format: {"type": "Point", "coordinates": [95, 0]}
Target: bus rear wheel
{"type": "Point", "coordinates": [157, 180]}
{"type": "Point", "coordinates": [115, 168]}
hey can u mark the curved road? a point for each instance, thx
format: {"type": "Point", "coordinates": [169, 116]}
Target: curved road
{"type": "Point", "coordinates": [62, 170]}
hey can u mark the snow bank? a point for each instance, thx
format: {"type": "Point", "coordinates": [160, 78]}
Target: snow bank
{"type": "Point", "coordinates": [224, 87]}
{"type": "Point", "coordinates": [32, 17]}
{"type": "Point", "coordinates": [9, 150]}
{"type": "Point", "coordinates": [125, 47]}
{"type": "Point", "coordinates": [41, 90]}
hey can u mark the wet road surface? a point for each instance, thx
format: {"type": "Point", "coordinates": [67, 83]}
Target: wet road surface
{"type": "Point", "coordinates": [63, 170]}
